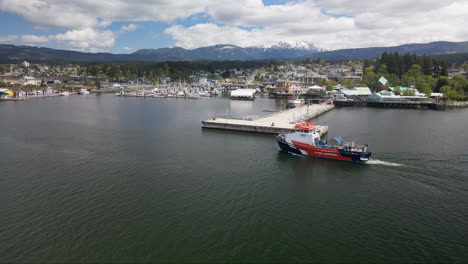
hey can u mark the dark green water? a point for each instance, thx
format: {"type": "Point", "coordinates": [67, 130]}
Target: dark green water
{"type": "Point", "coordinates": [109, 179]}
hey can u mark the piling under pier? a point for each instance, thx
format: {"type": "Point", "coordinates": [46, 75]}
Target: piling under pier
{"type": "Point", "coordinates": [282, 122]}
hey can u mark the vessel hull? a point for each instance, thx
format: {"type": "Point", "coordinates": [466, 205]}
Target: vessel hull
{"type": "Point", "coordinates": [299, 148]}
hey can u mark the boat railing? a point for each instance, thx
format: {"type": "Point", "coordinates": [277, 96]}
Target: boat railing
{"type": "Point", "coordinates": [353, 146]}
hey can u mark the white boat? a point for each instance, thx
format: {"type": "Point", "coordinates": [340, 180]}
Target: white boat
{"type": "Point", "coordinates": [296, 101]}
{"type": "Point", "coordinates": [83, 91]}
{"type": "Point", "coordinates": [193, 96]}
{"type": "Point", "coordinates": [64, 94]}
{"type": "Point", "coordinates": [159, 95]}
{"type": "Point", "coordinates": [204, 94]}
{"type": "Point", "coordinates": [216, 92]}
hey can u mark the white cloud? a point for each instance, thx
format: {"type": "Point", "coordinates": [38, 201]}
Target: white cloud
{"type": "Point", "coordinates": [355, 23]}
{"type": "Point", "coordinates": [51, 14]}
{"type": "Point", "coordinates": [24, 39]}
{"type": "Point", "coordinates": [127, 28]}
{"type": "Point", "coordinates": [88, 39]}
{"type": "Point", "coordinates": [329, 24]}
{"type": "Point", "coordinates": [79, 14]}
{"type": "Point", "coordinates": [128, 48]}
{"type": "Point", "coordinates": [211, 34]}
{"type": "Point", "coordinates": [254, 13]}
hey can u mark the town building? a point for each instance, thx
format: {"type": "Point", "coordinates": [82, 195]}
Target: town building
{"type": "Point", "coordinates": [356, 93]}
{"type": "Point", "coordinates": [243, 94]}
{"type": "Point", "coordinates": [354, 79]}
{"type": "Point", "coordinates": [29, 80]}
{"type": "Point", "coordinates": [289, 87]}
{"type": "Point", "coordinates": [311, 78]}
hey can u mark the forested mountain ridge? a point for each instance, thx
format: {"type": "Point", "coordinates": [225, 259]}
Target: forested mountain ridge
{"type": "Point", "coordinates": [12, 53]}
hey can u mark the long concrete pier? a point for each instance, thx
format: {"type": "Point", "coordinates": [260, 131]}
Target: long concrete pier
{"type": "Point", "coordinates": [281, 122]}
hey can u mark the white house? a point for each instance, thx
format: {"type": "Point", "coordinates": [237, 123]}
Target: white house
{"type": "Point", "coordinates": [243, 94]}
{"type": "Point", "coordinates": [316, 88]}
{"type": "Point", "coordinates": [29, 80]}
{"type": "Point", "coordinates": [356, 91]}
{"type": "Point", "coordinates": [385, 96]}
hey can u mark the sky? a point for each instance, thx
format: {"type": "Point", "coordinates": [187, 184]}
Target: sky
{"type": "Point", "coordinates": [124, 26]}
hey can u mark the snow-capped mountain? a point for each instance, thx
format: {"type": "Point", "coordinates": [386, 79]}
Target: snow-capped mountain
{"type": "Point", "coordinates": [283, 50]}
{"type": "Point", "coordinates": [280, 50]}
{"type": "Point", "coordinates": [297, 45]}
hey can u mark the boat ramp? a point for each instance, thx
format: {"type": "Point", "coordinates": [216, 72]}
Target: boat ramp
{"type": "Point", "coordinates": [280, 122]}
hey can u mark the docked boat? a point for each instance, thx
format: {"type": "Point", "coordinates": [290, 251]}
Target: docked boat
{"type": "Point", "coordinates": [64, 94]}
{"type": "Point", "coordinates": [305, 140]}
{"type": "Point", "coordinates": [193, 96]}
{"type": "Point", "coordinates": [294, 102]}
{"type": "Point", "coordinates": [159, 95]}
{"type": "Point", "coordinates": [204, 94]}
{"type": "Point", "coordinates": [83, 91]}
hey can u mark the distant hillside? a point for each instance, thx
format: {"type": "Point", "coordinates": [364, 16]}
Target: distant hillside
{"type": "Point", "coordinates": [9, 53]}
{"type": "Point", "coordinates": [457, 58]}
{"type": "Point", "coordinates": [283, 50]}
{"type": "Point", "coordinates": [440, 47]}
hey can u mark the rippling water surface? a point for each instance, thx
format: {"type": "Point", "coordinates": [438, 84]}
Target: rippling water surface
{"type": "Point", "coordinates": [109, 179]}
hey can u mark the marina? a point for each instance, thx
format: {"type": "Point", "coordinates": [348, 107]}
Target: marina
{"type": "Point", "coordinates": [281, 122]}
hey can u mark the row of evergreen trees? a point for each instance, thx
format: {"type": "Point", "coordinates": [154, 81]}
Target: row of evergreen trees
{"type": "Point", "coordinates": [396, 64]}
{"type": "Point", "coordinates": [424, 73]}
{"type": "Point", "coordinates": [173, 69]}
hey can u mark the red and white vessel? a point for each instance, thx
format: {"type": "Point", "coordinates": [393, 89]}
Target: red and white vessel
{"type": "Point", "coordinates": [306, 141]}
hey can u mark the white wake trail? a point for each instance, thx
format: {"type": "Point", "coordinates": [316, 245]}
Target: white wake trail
{"type": "Point", "coordinates": [382, 162]}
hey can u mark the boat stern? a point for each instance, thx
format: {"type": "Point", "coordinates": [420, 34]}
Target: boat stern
{"type": "Point", "coordinates": [365, 156]}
